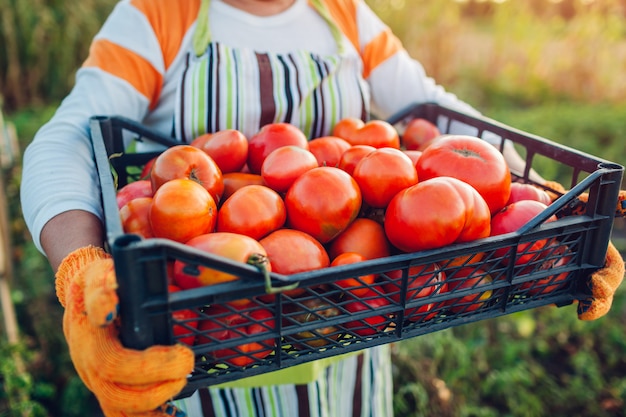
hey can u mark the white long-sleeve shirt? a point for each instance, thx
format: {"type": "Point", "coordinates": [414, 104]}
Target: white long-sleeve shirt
{"type": "Point", "coordinates": [134, 67]}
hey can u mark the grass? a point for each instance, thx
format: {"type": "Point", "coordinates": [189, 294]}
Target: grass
{"type": "Point", "coordinates": [533, 363]}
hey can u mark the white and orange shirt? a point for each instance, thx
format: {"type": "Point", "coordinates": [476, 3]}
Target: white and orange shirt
{"type": "Point", "coordinates": [136, 63]}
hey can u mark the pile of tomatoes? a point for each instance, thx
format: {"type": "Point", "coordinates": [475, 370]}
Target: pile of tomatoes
{"type": "Point", "coordinates": [362, 193]}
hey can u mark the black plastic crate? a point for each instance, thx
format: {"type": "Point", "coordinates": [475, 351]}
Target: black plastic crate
{"type": "Point", "coordinates": [323, 321]}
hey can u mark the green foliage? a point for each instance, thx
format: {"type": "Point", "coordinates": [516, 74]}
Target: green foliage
{"type": "Point", "coordinates": [533, 363]}
{"type": "Point", "coordinates": [593, 129]}
{"type": "Point", "coordinates": [19, 386]}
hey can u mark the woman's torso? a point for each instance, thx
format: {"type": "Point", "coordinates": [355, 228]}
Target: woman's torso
{"type": "Point", "coordinates": [299, 36]}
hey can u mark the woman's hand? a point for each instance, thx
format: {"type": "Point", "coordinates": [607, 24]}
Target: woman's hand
{"type": "Point", "coordinates": [126, 382]}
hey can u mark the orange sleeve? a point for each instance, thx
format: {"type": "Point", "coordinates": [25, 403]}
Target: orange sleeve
{"type": "Point", "coordinates": [126, 65]}
{"type": "Point", "coordinates": [170, 20]}
{"type": "Point", "coordinates": [379, 49]}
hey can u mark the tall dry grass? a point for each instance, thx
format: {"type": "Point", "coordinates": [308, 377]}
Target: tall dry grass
{"type": "Point", "coordinates": [530, 50]}
{"type": "Point", "coordinates": [42, 43]}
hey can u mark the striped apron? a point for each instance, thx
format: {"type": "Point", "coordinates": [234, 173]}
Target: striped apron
{"type": "Point", "coordinates": [229, 88]}
{"type": "Point", "coordinates": [236, 88]}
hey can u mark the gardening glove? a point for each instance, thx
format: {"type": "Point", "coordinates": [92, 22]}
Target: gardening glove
{"type": "Point", "coordinates": [605, 281]}
{"type": "Point", "coordinates": [126, 382]}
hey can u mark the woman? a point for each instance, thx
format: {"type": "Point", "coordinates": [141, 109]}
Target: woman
{"type": "Point", "coordinates": [187, 67]}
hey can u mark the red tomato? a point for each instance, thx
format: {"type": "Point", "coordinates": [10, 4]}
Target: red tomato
{"type": "Point", "coordinates": [228, 148]}
{"type": "Point", "coordinates": [357, 286]}
{"type": "Point", "coordinates": [364, 236]}
{"type": "Point", "coordinates": [413, 155]}
{"type": "Point", "coordinates": [135, 216]}
{"type": "Point", "coordinates": [376, 133]}
{"type": "Point", "coordinates": [369, 301]}
{"type": "Point", "coordinates": [323, 202]}
{"type": "Point", "coordinates": [435, 213]}
{"type": "Point", "coordinates": [223, 324]}
{"type": "Point", "coordinates": [328, 150]}
{"type": "Point", "coordinates": [270, 137]}
{"type": "Point", "coordinates": [292, 251]}
{"type": "Point", "coordinates": [559, 258]}
{"type": "Point", "coordinates": [232, 246]}
{"type": "Point", "coordinates": [419, 133]}
{"type": "Point", "coordinates": [465, 279]}
{"type": "Point", "coordinates": [512, 218]}
{"type": "Point", "coordinates": [382, 174]}
{"type": "Point", "coordinates": [423, 281]}
{"type": "Point", "coordinates": [353, 156]}
{"type": "Point", "coordinates": [146, 169]}
{"type": "Point", "coordinates": [186, 161]}
{"type": "Point", "coordinates": [254, 210]}
{"type": "Point", "coordinates": [186, 329]}
{"type": "Point", "coordinates": [132, 190]}
{"type": "Point", "coordinates": [522, 191]}
{"type": "Point", "coordinates": [472, 160]}
{"type": "Point", "coordinates": [235, 180]}
{"type": "Point", "coordinates": [283, 165]}
{"type": "Point", "coordinates": [182, 209]}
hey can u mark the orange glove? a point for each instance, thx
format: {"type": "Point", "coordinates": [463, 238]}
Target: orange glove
{"type": "Point", "coordinates": [127, 383]}
{"type": "Point", "coordinates": [604, 282]}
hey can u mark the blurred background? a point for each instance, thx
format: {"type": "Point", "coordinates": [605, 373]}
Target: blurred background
{"type": "Point", "coordinates": [554, 68]}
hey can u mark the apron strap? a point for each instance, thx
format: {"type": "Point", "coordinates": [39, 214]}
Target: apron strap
{"type": "Point", "coordinates": [202, 33]}
{"type": "Point", "coordinates": [321, 8]}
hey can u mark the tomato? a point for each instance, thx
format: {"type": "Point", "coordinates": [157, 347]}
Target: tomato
{"type": "Point", "coordinates": [283, 165]}
{"type": "Point", "coordinates": [186, 329]}
{"type": "Point", "coordinates": [512, 218]}
{"type": "Point", "coordinates": [292, 251]}
{"type": "Point", "coordinates": [382, 174]}
{"type": "Point", "coordinates": [254, 210]}
{"type": "Point", "coordinates": [351, 157]}
{"type": "Point", "coordinates": [228, 148]}
{"type": "Point", "coordinates": [186, 161]}
{"type": "Point", "coordinates": [465, 260]}
{"type": "Point", "coordinates": [135, 217]}
{"type": "Point", "coordinates": [328, 150]}
{"type": "Point", "coordinates": [369, 301]}
{"type": "Point", "coordinates": [232, 246]}
{"type": "Point", "coordinates": [363, 236]}
{"type": "Point", "coordinates": [423, 281]}
{"type": "Point", "coordinates": [376, 133]}
{"type": "Point", "coordinates": [559, 258]}
{"type": "Point", "coordinates": [323, 202]}
{"type": "Point", "coordinates": [135, 189]}
{"type": "Point", "coordinates": [235, 180]}
{"type": "Point", "coordinates": [270, 137]}
{"type": "Point", "coordinates": [357, 286]}
{"type": "Point", "coordinates": [182, 209]}
{"type": "Point", "coordinates": [308, 311]}
{"type": "Point", "coordinates": [146, 169]}
{"type": "Point", "coordinates": [413, 155]}
{"type": "Point", "coordinates": [472, 160]}
{"type": "Point", "coordinates": [522, 191]}
{"type": "Point", "coordinates": [435, 213]}
{"type": "Point", "coordinates": [224, 324]}
{"type": "Point", "coordinates": [465, 279]}
{"type": "Point", "coordinates": [419, 133]}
